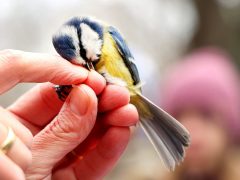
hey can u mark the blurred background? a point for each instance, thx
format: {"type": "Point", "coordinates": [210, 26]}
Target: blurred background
{"type": "Point", "coordinates": [161, 34]}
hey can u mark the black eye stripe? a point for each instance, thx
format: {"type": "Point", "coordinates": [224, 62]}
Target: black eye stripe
{"type": "Point", "coordinates": [83, 52]}
{"type": "Point", "coordinates": [95, 27]}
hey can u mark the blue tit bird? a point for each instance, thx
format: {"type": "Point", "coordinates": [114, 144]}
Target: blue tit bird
{"type": "Point", "coordinates": [96, 45]}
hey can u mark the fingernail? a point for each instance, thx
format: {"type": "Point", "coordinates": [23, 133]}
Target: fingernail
{"type": "Point", "coordinates": [79, 100]}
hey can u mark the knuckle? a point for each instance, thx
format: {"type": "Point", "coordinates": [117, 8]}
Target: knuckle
{"type": "Point", "coordinates": [12, 60]}
{"type": "Point", "coordinates": [71, 127]}
{"type": "Point", "coordinates": [10, 54]}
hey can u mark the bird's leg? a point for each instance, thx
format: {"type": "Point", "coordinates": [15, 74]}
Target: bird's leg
{"type": "Point", "coordinates": [63, 91]}
{"type": "Point", "coordinates": [89, 65]}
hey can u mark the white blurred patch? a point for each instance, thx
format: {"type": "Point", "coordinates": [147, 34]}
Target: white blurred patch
{"type": "Point", "coordinates": [91, 42]}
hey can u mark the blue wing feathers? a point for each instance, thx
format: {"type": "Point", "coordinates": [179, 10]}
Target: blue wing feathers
{"type": "Point", "coordinates": [125, 52]}
{"type": "Point", "coordinates": [123, 48]}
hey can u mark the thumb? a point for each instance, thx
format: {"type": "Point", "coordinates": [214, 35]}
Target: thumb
{"type": "Point", "coordinates": [69, 128]}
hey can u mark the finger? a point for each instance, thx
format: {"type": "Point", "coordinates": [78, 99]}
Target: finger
{"type": "Point", "coordinates": [124, 116]}
{"type": "Point", "coordinates": [40, 100]}
{"type": "Point", "coordinates": [72, 125]}
{"type": "Point", "coordinates": [96, 81]}
{"type": "Point", "coordinates": [43, 100]}
{"type": "Point", "coordinates": [63, 174]}
{"type": "Point", "coordinates": [9, 170]}
{"type": "Point", "coordinates": [8, 120]}
{"type": "Point", "coordinates": [100, 161]}
{"type": "Point", "coordinates": [19, 66]}
{"type": "Point", "coordinates": [18, 152]}
{"type": "Point", "coordinates": [113, 97]}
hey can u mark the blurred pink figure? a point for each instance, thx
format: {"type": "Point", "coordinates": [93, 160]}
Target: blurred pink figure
{"type": "Point", "coordinates": [202, 92]}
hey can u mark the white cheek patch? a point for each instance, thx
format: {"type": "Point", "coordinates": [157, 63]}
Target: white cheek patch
{"type": "Point", "coordinates": [90, 41]}
{"type": "Point", "coordinates": [72, 32]}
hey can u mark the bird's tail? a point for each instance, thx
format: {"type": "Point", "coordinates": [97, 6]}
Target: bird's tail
{"type": "Point", "coordinates": [167, 135]}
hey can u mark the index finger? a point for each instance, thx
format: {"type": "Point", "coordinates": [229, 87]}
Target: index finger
{"type": "Point", "coordinates": [18, 66]}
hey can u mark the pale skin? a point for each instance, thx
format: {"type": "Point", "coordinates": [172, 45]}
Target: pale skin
{"type": "Point", "coordinates": [48, 129]}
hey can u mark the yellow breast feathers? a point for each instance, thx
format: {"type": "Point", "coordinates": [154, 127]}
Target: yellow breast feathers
{"type": "Point", "coordinates": [112, 66]}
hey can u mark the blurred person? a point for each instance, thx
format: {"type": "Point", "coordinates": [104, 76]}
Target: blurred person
{"type": "Point", "coordinates": [43, 138]}
{"type": "Point", "coordinates": [202, 92]}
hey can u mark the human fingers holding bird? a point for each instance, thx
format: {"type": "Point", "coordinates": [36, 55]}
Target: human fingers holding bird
{"type": "Point", "coordinates": [15, 138]}
{"type": "Point", "coordinates": [84, 134]}
{"type": "Point", "coordinates": [58, 128]}
{"type": "Point", "coordinates": [88, 42]}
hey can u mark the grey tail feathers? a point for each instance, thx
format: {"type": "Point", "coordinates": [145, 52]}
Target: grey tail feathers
{"type": "Point", "coordinates": [167, 135]}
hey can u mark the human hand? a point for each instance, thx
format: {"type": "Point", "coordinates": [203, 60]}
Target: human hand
{"type": "Point", "coordinates": [61, 127]}
{"type": "Point", "coordinates": [16, 67]}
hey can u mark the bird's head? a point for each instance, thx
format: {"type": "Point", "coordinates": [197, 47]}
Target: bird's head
{"type": "Point", "coordinates": [79, 40]}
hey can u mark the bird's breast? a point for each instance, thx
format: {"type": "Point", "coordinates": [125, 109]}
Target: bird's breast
{"type": "Point", "coordinates": [111, 64]}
